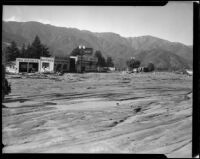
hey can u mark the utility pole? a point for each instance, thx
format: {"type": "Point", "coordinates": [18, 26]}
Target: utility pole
{"type": "Point", "coordinates": [81, 47]}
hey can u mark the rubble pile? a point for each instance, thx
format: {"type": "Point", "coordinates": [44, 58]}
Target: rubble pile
{"type": "Point", "coordinates": [35, 76]}
{"type": "Point", "coordinates": [51, 76]}
{"type": "Point", "coordinates": [70, 77]}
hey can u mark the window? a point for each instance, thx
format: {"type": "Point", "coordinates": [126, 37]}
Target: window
{"type": "Point", "coordinates": [58, 67]}
{"type": "Point", "coordinates": [64, 66]}
{"type": "Point", "coordinates": [45, 64]}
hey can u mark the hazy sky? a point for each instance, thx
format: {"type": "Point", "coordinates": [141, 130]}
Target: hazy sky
{"type": "Point", "coordinates": [173, 22]}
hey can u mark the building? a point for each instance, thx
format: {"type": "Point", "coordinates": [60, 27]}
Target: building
{"type": "Point", "coordinates": [88, 51]}
{"type": "Point", "coordinates": [44, 64]}
{"type": "Point", "coordinates": [84, 63]}
{"type": "Point", "coordinates": [27, 65]}
{"type": "Point", "coordinates": [61, 64]}
{"type": "Point", "coordinates": [11, 67]}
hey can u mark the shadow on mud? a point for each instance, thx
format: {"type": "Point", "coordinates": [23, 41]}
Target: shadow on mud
{"type": "Point", "coordinates": [10, 100]}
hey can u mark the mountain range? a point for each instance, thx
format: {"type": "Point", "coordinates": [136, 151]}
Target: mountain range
{"type": "Point", "coordinates": [61, 41]}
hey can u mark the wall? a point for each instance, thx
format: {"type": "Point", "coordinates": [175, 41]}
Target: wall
{"type": "Point", "coordinates": [62, 62]}
{"type": "Point", "coordinates": [43, 67]}
{"type": "Point", "coordinates": [18, 60]}
{"type": "Point", "coordinates": [11, 68]}
{"type": "Point", "coordinates": [87, 62]}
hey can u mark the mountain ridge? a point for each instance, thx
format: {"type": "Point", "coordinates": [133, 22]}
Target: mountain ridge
{"type": "Point", "coordinates": [62, 40]}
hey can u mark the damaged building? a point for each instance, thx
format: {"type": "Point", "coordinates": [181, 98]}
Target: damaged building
{"type": "Point", "coordinates": [44, 64]}
{"type": "Point", "coordinates": [84, 63]}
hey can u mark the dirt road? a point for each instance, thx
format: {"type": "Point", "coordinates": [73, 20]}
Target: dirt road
{"type": "Point", "coordinates": [100, 113]}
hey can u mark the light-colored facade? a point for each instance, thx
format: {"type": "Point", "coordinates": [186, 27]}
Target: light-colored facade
{"type": "Point", "coordinates": [11, 67]}
{"type": "Point", "coordinates": [44, 64]}
{"type": "Point", "coordinates": [27, 65]}
{"type": "Point", "coordinates": [47, 64]}
{"type": "Point", "coordinates": [85, 63]}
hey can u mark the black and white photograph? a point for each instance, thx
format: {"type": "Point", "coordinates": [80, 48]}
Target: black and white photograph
{"type": "Point", "coordinates": [97, 79]}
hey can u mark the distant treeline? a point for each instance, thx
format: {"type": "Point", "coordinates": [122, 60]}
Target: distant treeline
{"type": "Point", "coordinates": [34, 50]}
{"type": "Point", "coordinates": [134, 64]}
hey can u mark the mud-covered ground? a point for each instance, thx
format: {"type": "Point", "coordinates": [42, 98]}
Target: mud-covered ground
{"type": "Point", "coordinates": [99, 113]}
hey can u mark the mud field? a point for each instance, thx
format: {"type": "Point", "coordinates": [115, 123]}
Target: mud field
{"type": "Point", "coordinates": [99, 113]}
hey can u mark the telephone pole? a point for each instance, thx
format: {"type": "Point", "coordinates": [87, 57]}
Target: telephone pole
{"type": "Point", "coordinates": [81, 47]}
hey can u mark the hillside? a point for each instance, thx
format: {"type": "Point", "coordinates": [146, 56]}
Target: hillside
{"type": "Point", "coordinates": [62, 41]}
{"type": "Point", "coordinates": [162, 59]}
{"type": "Point", "coordinates": [150, 42]}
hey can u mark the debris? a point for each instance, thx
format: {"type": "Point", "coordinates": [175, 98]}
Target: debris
{"type": "Point", "coordinates": [137, 110]}
{"type": "Point", "coordinates": [91, 87]}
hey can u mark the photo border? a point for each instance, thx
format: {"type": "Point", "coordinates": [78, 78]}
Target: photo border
{"type": "Point", "coordinates": [196, 67]}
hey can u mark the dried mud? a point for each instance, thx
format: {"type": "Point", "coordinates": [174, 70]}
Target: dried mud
{"type": "Point", "coordinates": [99, 113]}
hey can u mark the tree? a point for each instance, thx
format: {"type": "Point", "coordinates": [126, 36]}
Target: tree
{"type": "Point", "coordinates": [6, 88]}
{"type": "Point", "coordinates": [150, 67]}
{"type": "Point", "coordinates": [37, 49]}
{"type": "Point", "coordinates": [75, 52]}
{"type": "Point", "coordinates": [12, 52]}
{"type": "Point", "coordinates": [28, 51]}
{"type": "Point", "coordinates": [109, 62]}
{"type": "Point", "coordinates": [3, 56]}
{"type": "Point", "coordinates": [101, 60]}
{"type": "Point", "coordinates": [45, 51]}
{"type": "Point", "coordinates": [23, 51]}
{"type": "Point", "coordinates": [133, 63]}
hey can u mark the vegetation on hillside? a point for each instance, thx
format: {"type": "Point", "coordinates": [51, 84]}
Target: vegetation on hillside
{"type": "Point", "coordinates": [133, 63]}
{"type": "Point", "coordinates": [76, 52]}
{"type": "Point", "coordinates": [34, 50]}
{"type": "Point", "coordinates": [102, 62]}
{"type": "Point", "coordinates": [150, 67]}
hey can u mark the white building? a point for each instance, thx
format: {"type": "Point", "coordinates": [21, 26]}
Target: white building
{"type": "Point", "coordinates": [85, 63]}
{"type": "Point", "coordinates": [11, 67]}
{"type": "Point", "coordinates": [44, 64]}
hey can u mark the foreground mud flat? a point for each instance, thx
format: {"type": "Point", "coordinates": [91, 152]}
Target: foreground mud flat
{"type": "Point", "coordinates": [99, 113]}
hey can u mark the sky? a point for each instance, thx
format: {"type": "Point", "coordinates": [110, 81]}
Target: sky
{"type": "Point", "coordinates": [173, 22]}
